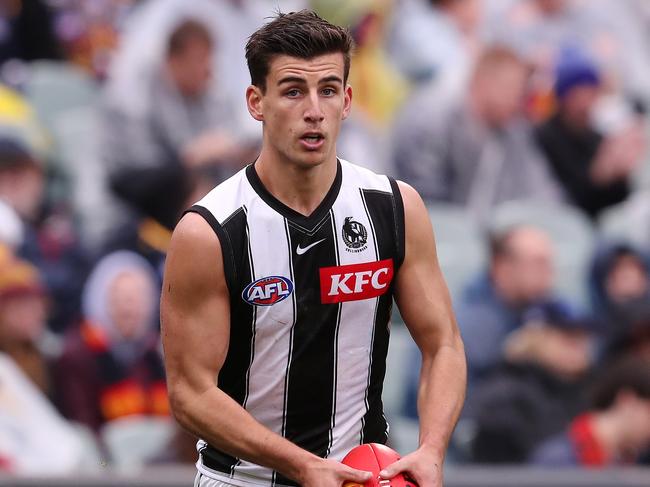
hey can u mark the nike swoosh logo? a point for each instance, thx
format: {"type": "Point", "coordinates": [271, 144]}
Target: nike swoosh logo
{"type": "Point", "coordinates": [301, 250]}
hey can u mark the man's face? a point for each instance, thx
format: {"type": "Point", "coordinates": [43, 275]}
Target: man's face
{"type": "Point", "coordinates": [130, 304]}
{"type": "Point", "coordinates": [627, 279]}
{"type": "Point", "coordinates": [191, 68]}
{"type": "Point", "coordinates": [302, 108]}
{"type": "Point", "coordinates": [578, 105]}
{"type": "Point", "coordinates": [501, 92]}
{"type": "Point", "coordinates": [23, 318]}
{"type": "Point", "coordinates": [524, 273]}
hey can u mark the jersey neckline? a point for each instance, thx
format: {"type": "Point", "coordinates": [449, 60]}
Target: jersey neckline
{"type": "Point", "coordinates": [316, 216]}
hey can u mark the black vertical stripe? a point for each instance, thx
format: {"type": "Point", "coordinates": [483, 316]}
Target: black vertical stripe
{"type": "Point", "coordinates": [234, 374]}
{"type": "Point", "coordinates": [336, 343]}
{"type": "Point", "coordinates": [254, 311]}
{"type": "Point", "coordinates": [399, 227]}
{"type": "Point", "coordinates": [311, 373]}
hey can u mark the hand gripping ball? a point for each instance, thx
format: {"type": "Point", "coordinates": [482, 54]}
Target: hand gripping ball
{"type": "Point", "coordinates": [373, 457]}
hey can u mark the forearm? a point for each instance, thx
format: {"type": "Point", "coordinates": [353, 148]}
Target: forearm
{"type": "Point", "coordinates": [443, 379]}
{"type": "Point", "coordinates": [218, 419]}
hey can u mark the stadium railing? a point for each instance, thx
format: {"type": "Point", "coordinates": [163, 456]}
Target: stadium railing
{"type": "Point", "coordinates": [170, 476]}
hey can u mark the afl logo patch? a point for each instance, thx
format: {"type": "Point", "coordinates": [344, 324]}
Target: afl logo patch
{"type": "Point", "coordinates": [355, 235]}
{"type": "Point", "coordinates": [267, 291]}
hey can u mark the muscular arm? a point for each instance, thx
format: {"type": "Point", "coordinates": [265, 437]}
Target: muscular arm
{"type": "Point", "coordinates": [195, 315]}
{"type": "Point", "coordinates": [425, 305]}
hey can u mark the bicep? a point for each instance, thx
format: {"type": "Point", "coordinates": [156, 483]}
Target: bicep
{"type": "Point", "coordinates": [421, 292]}
{"type": "Point", "coordinates": [195, 311]}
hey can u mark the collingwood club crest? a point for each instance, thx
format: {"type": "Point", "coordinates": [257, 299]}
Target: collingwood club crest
{"type": "Point", "coordinates": [355, 235]}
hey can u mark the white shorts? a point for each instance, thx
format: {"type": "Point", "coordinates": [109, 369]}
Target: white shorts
{"type": "Point", "coordinates": [202, 480]}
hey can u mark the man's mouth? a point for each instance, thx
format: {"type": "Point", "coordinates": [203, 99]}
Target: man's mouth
{"type": "Point", "coordinates": [312, 140]}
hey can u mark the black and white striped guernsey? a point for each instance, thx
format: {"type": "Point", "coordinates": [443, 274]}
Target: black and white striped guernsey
{"type": "Point", "coordinates": [310, 302]}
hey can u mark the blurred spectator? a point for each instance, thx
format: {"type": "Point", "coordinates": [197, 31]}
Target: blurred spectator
{"type": "Point", "coordinates": [22, 179]}
{"type": "Point", "coordinates": [434, 38]}
{"type": "Point", "coordinates": [474, 149]}
{"type": "Point", "coordinates": [19, 20]}
{"type": "Point", "coordinates": [379, 88]}
{"type": "Point", "coordinates": [34, 438]}
{"type": "Point", "coordinates": [89, 31]}
{"type": "Point", "coordinates": [620, 289]}
{"type": "Point", "coordinates": [153, 145]}
{"type": "Point", "coordinates": [616, 429]}
{"type": "Point", "coordinates": [594, 168]}
{"type": "Point", "coordinates": [49, 239]}
{"type": "Point", "coordinates": [111, 366]}
{"type": "Point", "coordinates": [610, 32]}
{"type": "Point", "coordinates": [517, 288]}
{"type": "Point", "coordinates": [536, 391]}
{"type": "Point", "coordinates": [23, 320]}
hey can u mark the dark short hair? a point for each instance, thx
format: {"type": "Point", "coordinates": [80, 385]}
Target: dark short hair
{"type": "Point", "coordinates": [300, 34]}
{"type": "Point", "coordinates": [499, 240]}
{"type": "Point", "coordinates": [497, 56]}
{"type": "Point", "coordinates": [185, 32]}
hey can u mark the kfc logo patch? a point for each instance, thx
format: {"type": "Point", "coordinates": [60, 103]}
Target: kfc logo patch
{"type": "Point", "coordinates": [355, 281]}
{"type": "Point", "coordinates": [267, 291]}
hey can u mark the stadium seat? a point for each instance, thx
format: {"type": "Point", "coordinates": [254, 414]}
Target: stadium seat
{"type": "Point", "coordinates": [133, 441]}
{"type": "Point", "coordinates": [93, 458]}
{"type": "Point", "coordinates": [403, 431]}
{"type": "Point", "coordinates": [54, 88]}
{"type": "Point", "coordinates": [460, 245]}
{"type": "Point", "coordinates": [571, 233]}
{"type": "Point", "coordinates": [629, 221]}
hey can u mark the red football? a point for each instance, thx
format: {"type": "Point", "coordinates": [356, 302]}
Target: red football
{"type": "Point", "coordinates": [373, 457]}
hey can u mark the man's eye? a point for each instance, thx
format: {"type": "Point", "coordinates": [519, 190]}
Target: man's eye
{"type": "Point", "coordinates": [329, 91]}
{"type": "Point", "coordinates": [293, 93]}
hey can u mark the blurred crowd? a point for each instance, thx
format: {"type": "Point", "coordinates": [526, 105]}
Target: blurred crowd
{"type": "Point", "coordinates": [116, 115]}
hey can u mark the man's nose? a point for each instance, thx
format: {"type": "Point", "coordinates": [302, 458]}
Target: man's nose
{"type": "Point", "coordinates": [313, 111]}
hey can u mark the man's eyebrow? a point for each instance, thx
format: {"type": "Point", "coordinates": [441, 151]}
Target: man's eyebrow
{"type": "Point", "coordinates": [331, 79]}
{"type": "Point", "coordinates": [291, 79]}
{"type": "Point", "coordinates": [297, 79]}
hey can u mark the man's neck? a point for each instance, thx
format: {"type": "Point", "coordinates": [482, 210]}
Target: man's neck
{"type": "Point", "coordinates": [300, 188]}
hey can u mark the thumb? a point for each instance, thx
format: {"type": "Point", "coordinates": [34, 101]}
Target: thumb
{"type": "Point", "coordinates": [354, 475]}
{"type": "Point", "coordinates": [393, 469]}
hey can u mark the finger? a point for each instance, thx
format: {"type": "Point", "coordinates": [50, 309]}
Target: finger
{"type": "Point", "coordinates": [354, 475]}
{"type": "Point", "coordinates": [393, 469]}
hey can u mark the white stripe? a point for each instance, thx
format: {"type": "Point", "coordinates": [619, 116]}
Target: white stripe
{"type": "Point", "coordinates": [355, 332]}
{"type": "Point", "coordinates": [269, 245]}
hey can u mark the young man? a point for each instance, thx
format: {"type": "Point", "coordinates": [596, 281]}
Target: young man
{"type": "Point", "coordinates": [279, 286]}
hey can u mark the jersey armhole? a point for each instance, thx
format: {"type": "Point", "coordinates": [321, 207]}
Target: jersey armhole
{"type": "Point", "coordinates": [226, 246]}
{"type": "Point", "coordinates": [398, 214]}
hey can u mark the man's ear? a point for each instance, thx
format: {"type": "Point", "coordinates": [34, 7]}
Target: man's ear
{"type": "Point", "coordinates": [255, 103]}
{"type": "Point", "coordinates": [347, 104]}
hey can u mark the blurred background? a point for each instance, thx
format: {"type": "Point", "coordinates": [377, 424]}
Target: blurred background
{"type": "Point", "coordinates": [523, 124]}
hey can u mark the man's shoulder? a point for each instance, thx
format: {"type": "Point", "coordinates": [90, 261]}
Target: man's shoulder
{"type": "Point", "coordinates": [363, 177]}
{"type": "Point", "coordinates": [225, 198]}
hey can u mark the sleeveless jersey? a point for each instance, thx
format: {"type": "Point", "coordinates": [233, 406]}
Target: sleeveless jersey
{"type": "Point", "coordinates": [310, 303]}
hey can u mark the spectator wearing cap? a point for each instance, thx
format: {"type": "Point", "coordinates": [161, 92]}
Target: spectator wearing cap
{"type": "Point", "coordinates": [536, 390]}
{"type": "Point", "coordinates": [23, 319]}
{"type": "Point", "coordinates": [616, 428]}
{"type": "Point", "coordinates": [593, 167]}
